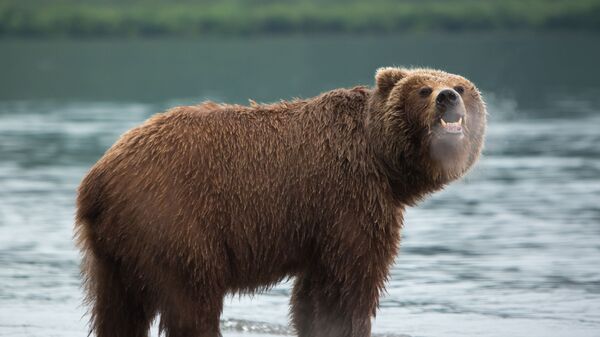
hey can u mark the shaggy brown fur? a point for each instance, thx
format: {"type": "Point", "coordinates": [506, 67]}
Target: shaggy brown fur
{"type": "Point", "coordinates": [206, 200]}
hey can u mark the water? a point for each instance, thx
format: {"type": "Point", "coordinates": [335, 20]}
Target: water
{"type": "Point", "coordinates": [512, 250]}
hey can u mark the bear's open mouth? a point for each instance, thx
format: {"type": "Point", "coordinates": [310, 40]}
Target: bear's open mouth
{"type": "Point", "coordinates": [455, 128]}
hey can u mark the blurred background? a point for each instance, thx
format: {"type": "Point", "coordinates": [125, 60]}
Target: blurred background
{"type": "Point", "coordinates": [512, 250]}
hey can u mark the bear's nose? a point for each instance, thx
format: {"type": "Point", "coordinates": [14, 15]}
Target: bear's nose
{"type": "Point", "coordinates": [447, 98]}
{"type": "Point", "coordinates": [447, 102]}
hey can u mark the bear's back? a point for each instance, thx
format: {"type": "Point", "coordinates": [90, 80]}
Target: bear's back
{"type": "Point", "coordinates": [226, 166]}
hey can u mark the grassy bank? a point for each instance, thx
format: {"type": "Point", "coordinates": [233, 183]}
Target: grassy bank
{"type": "Point", "coordinates": [238, 17]}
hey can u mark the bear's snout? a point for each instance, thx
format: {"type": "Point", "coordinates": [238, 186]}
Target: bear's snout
{"type": "Point", "coordinates": [447, 97]}
{"type": "Point", "coordinates": [448, 103]}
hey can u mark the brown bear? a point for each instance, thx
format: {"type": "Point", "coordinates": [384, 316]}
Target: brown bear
{"type": "Point", "coordinates": [212, 199]}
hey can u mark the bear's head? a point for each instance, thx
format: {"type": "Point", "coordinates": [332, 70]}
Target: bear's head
{"type": "Point", "coordinates": [427, 127]}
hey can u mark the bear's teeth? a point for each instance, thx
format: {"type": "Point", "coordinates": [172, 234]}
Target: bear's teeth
{"type": "Point", "coordinates": [452, 127]}
{"type": "Point", "coordinates": [447, 124]}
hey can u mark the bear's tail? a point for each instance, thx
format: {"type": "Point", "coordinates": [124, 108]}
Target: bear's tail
{"type": "Point", "coordinates": [88, 210]}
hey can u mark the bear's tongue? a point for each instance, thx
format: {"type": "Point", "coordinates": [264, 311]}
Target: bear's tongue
{"type": "Point", "coordinates": [455, 127]}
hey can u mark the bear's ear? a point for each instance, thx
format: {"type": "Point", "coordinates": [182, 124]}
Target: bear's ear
{"type": "Point", "coordinates": [386, 78]}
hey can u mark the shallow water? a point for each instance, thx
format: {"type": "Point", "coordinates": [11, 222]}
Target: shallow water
{"type": "Point", "coordinates": [512, 250]}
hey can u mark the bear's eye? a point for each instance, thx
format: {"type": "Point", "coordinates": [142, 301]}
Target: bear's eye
{"type": "Point", "coordinates": [460, 89]}
{"type": "Point", "coordinates": [424, 92]}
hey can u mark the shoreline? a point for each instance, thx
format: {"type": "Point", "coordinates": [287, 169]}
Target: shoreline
{"type": "Point", "coordinates": [37, 18]}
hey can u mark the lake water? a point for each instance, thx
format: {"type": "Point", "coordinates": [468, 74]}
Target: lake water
{"type": "Point", "coordinates": [512, 250]}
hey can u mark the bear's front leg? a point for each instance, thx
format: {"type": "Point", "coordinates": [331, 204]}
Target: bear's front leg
{"type": "Point", "coordinates": [338, 300]}
{"type": "Point", "coordinates": [337, 294]}
{"type": "Point", "coordinates": [340, 307]}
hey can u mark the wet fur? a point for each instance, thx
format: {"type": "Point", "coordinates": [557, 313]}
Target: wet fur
{"type": "Point", "coordinates": [206, 200]}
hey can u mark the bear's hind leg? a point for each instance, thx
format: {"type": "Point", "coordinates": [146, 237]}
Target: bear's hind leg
{"type": "Point", "coordinates": [118, 309]}
{"type": "Point", "coordinates": [187, 315]}
{"type": "Point", "coordinates": [302, 306]}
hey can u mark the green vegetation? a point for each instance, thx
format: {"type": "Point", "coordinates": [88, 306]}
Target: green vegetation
{"type": "Point", "coordinates": [236, 17]}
